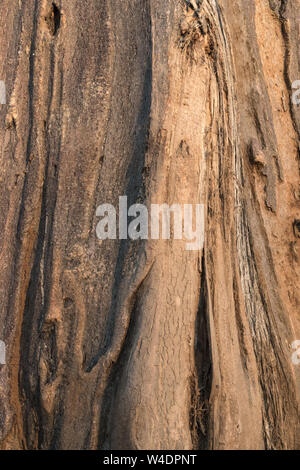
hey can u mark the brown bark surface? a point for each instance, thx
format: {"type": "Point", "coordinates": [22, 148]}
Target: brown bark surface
{"type": "Point", "coordinates": [143, 344]}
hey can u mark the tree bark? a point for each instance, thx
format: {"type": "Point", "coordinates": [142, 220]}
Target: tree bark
{"type": "Point", "coordinates": [126, 344]}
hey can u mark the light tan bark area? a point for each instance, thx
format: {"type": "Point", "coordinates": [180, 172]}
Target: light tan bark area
{"type": "Point", "coordinates": [143, 344]}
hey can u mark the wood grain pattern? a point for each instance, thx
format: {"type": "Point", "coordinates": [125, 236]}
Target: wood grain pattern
{"type": "Point", "coordinates": [144, 345]}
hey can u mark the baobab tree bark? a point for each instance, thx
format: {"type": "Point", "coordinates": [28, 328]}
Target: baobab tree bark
{"type": "Point", "coordinates": [142, 344]}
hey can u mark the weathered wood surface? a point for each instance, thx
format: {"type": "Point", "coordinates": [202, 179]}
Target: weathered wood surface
{"type": "Point", "coordinates": [126, 345]}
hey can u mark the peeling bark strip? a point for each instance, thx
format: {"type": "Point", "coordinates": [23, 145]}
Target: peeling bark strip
{"type": "Point", "coordinates": [126, 344]}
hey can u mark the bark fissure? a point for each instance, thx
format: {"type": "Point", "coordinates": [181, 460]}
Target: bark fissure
{"type": "Point", "coordinates": [202, 378]}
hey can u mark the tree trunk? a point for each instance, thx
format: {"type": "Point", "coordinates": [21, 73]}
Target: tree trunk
{"type": "Point", "coordinates": [122, 344]}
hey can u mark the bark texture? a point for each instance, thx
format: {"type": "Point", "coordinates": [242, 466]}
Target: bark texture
{"type": "Point", "coordinates": [144, 345]}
